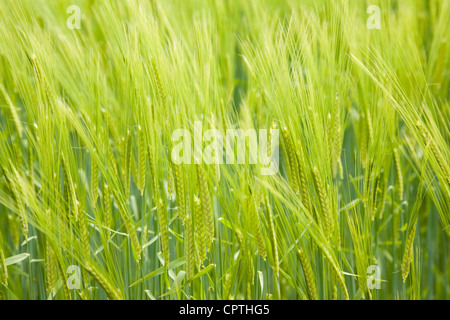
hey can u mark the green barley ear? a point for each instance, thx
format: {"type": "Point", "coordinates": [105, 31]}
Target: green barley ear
{"type": "Point", "coordinates": [141, 159]}
{"type": "Point", "coordinates": [103, 281]}
{"type": "Point", "coordinates": [180, 191]}
{"type": "Point", "coordinates": [302, 177]}
{"type": "Point", "coordinates": [3, 267]}
{"type": "Point", "coordinates": [443, 165]}
{"type": "Point", "coordinates": [112, 164]}
{"type": "Point", "coordinates": [127, 164]}
{"type": "Point", "coordinates": [22, 214]}
{"type": "Point", "coordinates": [159, 84]}
{"type": "Point", "coordinates": [205, 197]}
{"type": "Point", "coordinates": [341, 169]}
{"type": "Point", "coordinates": [44, 89]}
{"type": "Point", "coordinates": [335, 292]}
{"type": "Point", "coordinates": [50, 268]}
{"type": "Point", "coordinates": [160, 90]}
{"type": "Point", "coordinates": [337, 140]}
{"type": "Point", "coordinates": [253, 211]}
{"type": "Point", "coordinates": [170, 183]}
{"type": "Point", "coordinates": [408, 254]}
{"type": "Point", "coordinates": [292, 159]}
{"type": "Point", "coordinates": [309, 275]}
{"type": "Point", "coordinates": [375, 195]}
{"type": "Point", "coordinates": [13, 187]}
{"type": "Point", "coordinates": [398, 170]}
{"type": "Point", "coordinates": [337, 273]}
{"type": "Point", "coordinates": [382, 190]}
{"type": "Point", "coordinates": [63, 275]}
{"type": "Point", "coordinates": [324, 206]}
{"type": "Point", "coordinates": [227, 287]}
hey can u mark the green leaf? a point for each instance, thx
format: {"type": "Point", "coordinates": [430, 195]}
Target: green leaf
{"type": "Point", "coordinates": [16, 259]}
{"type": "Point", "coordinates": [198, 275]}
{"type": "Point", "coordinates": [172, 265]}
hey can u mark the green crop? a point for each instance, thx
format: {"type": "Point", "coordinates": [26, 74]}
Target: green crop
{"type": "Point", "coordinates": [92, 205]}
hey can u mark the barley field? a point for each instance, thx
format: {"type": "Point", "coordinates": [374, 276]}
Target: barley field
{"type": "Point", "coordinates": [95, 203]}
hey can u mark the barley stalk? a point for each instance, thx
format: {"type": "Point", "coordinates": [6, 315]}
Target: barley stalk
{"type": "Point", "coordinates": [369, 126]}
{"type": "Point", "coordinates": [134, 170]}
{"type": "Point", "coordinates": [84, 233]}
{"type": "Point", "coordinates": [250, 272]}
{"type": "Point", "coordinates": [107, 207]}
{"type": "Point", "coordinates": [374, 198]}
{"type": "Point", "coordinates": [137, 250]}
{"type": "Point", "coordinates": [189, 248]}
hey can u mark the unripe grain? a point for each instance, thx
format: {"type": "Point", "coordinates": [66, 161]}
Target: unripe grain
{"type": "Point", "coordinates": [309, 275]}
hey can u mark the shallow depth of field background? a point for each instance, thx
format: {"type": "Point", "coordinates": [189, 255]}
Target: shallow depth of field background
{"type": "Point", "coordinates": [92, 206]}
